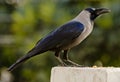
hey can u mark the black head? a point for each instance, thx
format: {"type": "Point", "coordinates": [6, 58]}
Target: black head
{"type": "Point", "coordinates": [96, 12]}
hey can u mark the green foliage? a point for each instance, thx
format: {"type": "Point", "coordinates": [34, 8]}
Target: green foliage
{"type": "Point", "coordinates": [23, 23]}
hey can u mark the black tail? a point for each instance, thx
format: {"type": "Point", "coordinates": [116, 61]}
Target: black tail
{"type": "Point", "coordinates": [30, 54]}
{"type": "Point", "coordinates": [18, 62]}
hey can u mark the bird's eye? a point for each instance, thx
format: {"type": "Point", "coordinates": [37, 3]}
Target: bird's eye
{"type": "Point", "coordinates": [91, 10]}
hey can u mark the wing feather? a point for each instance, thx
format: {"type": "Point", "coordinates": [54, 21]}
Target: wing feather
{"type": "Point", "coordinates": [61, 36]}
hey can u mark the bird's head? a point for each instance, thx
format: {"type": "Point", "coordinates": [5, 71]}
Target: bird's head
{"type": "Point", "coordinates": [95, 12]}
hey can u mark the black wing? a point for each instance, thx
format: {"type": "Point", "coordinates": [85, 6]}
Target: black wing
{"type": "Point", "coordinates": [61, 36]}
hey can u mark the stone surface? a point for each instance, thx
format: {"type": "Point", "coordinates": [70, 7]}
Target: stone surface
{"type": "Point", "coordinates": [85, 74]}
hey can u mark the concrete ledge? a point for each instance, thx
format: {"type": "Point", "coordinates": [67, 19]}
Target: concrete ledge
{"type": "Point", "coordinates": [85, 74]}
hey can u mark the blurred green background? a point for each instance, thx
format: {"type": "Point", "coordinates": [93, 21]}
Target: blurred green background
{"type": "Point", "coordinates": [24, 22]}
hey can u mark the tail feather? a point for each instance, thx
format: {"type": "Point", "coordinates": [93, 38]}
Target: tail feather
{"type": "Point", "coordinates": [17, 63]}
{"type": "Point", "coordinates": [30, 54]}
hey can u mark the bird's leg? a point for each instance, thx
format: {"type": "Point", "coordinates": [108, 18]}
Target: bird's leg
{"type": "Point", "coordinates": [67, 61]}
{"type": "Point", "coordinates": [57, 54]}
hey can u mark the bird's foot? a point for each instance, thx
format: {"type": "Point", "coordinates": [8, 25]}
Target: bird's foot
{"type": "Point", "coordinates": [68, 63]}
{"type": "Point", "coordinates": [72, 64]}
{"type": "Point", "coordinates": [62, 63]}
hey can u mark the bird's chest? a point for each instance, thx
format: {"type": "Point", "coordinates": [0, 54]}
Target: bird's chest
{"type": "Point", "coordinates": [84, 34]}
{"type": "Point", "coordinates": [87, 30]}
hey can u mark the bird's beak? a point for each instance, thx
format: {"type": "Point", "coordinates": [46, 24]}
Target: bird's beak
{"type": "Point", "coordinates": [100, 11]}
